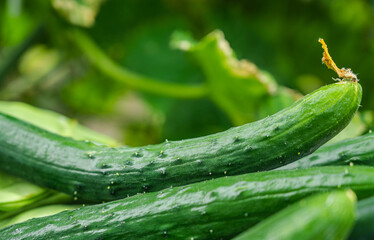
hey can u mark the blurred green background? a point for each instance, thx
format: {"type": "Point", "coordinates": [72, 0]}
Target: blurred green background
{"type": "Point", "coordinates": [145, 71]}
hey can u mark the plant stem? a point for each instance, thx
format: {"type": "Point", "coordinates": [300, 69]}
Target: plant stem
{"type": "Point", "coordinates": [136, 81]}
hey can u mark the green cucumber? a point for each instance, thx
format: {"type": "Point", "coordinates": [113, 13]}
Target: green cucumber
{"type": "Point", "coordinates": [216, 209]}
{"type": "Point", "coordinates": [17, 195]}
{"type": "Point", "coordinates": [356, 151]}
{"type": "Point", "coordinates": [327, 216]}
{"type": "Point", "coordinates": [364, 225]}
{"type": "Point", "coordinates": [98, 173]}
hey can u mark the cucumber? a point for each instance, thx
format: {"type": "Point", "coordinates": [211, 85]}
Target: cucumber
{"type": "Point", "coordinates": [216, 209]}
{"type": "Point", "coordinates": [359, 150]}
{"type": "Point", "coordinates": [364, 225]}
{"type": "Point", "coordinates": [99, 173]}
{"type": "Point", "coordinates": [327, 216]}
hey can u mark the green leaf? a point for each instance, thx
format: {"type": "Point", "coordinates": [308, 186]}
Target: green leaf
{"type": "Point", "coordinates": [36, 213]}
{"type": "Point", "coordinates": [92, 93]}
{"type": "Point", "coordinates": [149, 53]}
{"type": "Point", "coordinates": [54, 122]}
{"type": "Point", "coordinates": [283, 98]}
{"type": "Point", "coordinates": [236, 86]}
{"type": "Point", "coordinates": [194, 118]}
{"type": "Point", "coordinates": [16, 193]}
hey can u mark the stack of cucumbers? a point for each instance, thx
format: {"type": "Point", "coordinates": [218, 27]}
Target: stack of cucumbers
{"type": "Point", "coordinates": [257, 181]}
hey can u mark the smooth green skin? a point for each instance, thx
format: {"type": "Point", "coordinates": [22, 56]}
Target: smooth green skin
{"type": "Point", "coordinates": [215, 209]}
{"type": "Point", "coordinates": [356, 151]}
{"type": "Point", "coordinates": [327, 216]}
{"type": "Point", "coordinates": [364, 225]}
{"type": "Point", "coordinates": [97, 173]}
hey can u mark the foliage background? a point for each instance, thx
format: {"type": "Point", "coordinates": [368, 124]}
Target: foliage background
{"type": "Point", "coordinates": [41, 64]}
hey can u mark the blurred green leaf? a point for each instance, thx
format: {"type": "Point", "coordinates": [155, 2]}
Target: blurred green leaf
{"type": "Point", "coordinates": [142, 133]}
{"type": "Point", "coordinates": [350, 14]}
{"type": "Point", "coordinates": [54, 122]}
{"type": "Point", "coordinates": [36, 213]}
{"type": "Point", "coordinates": [38, 60]}
{"type": "Point", "coordinates": [194, 118]}
{"type": "Point", "coordinates": [15, 23]}
{"type": "Point", "coordinates": [148, 52]}
{"type": "Point", "coordinates": [92, 93]}
{"type": "Point", "coordinates": [78, 12]}
{"type": "Point", "coordinates": [236, 86]}
{"type": "Point", "coordinates": [283, 98]}
{"type": "Point", "coordinates": [16, 193]}
{"type": "Point", "coordinates": [308, 83]}
{"type": "Point", "coordinates": [52, 198]}
{"type": "Point", "coordinates": [35, 64]}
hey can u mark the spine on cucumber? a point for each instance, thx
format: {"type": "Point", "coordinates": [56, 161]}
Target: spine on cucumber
{"type": "Point", "coordinates": [327, 216]}
{"type": "Point", "coordinates": [100, 173]}
{"type": "Point", "coordinates": [214, 209]}
{"type": "Point", "coordinates": [355, 151]}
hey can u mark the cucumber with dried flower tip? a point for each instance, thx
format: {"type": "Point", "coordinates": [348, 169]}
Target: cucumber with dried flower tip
{"type": "Point", "coordinates": [216, 209]}
{"type": "Point", "coordinates": [327, 216]}
{"type": "Point", "coordinates": [98, 173]}
{"type": "Point", "coordinates": [356, 151]}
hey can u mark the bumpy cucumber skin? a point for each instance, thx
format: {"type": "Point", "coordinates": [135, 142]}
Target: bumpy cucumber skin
{"type": "Point", "coordinates": [99, 173]}
{"type": "Point", "coordinates": [214, 209]}
{"type": "Point", "coordinates": [364, 225]}
{"type": "Point", "coordinates": [327, 216]}
{"type": "Point", "coordinates": [356, 151]}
